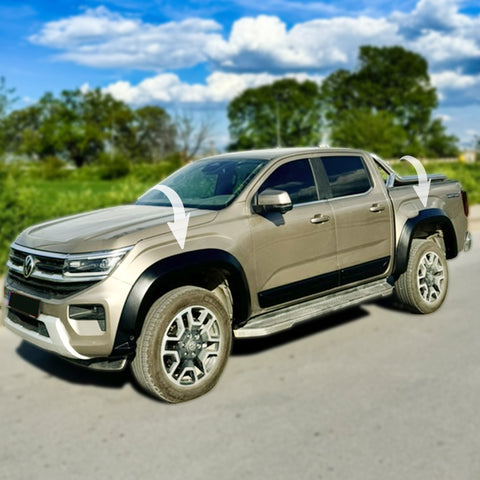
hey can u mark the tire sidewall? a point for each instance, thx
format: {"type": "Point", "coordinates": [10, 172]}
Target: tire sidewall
{"type": "Point", "coordinates": [418, 251]}
{"type": "Point", "coordinates": [157, 321]}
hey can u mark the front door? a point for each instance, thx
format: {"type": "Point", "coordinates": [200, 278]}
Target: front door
{"type": "Point", "coordinates": [295, 252]}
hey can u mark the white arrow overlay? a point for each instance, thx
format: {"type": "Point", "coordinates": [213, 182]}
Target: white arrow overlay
{"type": "Point", "coordinates": [423, 187]}
{"type": "Point", "coordinates": [179, 225]}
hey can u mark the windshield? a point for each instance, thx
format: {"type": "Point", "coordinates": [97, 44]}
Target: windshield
{"type": "Point", "coordinates": [209, 184]}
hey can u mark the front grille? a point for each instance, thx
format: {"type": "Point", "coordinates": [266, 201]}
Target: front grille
{"type": "Point", "coordinates": [46, 264]}
{"type": "Point", "coordinates": [27, 322]}
{"type": "Point", "coordinates": [44, 288]}
{"type": "Point", "coordinates": [47, 280]}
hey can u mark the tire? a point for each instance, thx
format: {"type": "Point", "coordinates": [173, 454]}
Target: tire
{"type": "Point", "coordinates": [184, 345]}
{"type": "Point", "coordinates": [423, 286]}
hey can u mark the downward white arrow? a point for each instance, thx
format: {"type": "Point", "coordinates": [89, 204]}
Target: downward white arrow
{"type": "Point", "coordinates": [423, 187]}
{"type": "Point", "coordinates": [179, 225]}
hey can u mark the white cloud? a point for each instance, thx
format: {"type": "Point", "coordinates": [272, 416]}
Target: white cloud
{"type": "Point", "coordinates": [100, 38]}
{"type": "Point", "coordinates": [457, 88]}
{"type": "Point", "coordinates": [104, 39]}
{"type": "Point", "coordinates": [220, 88]}
{"type": "Point", "coordinates": [444, 117]}
{"type": "Point", "coordinates": [454, 80]}
{"type": "Point", "coordinates": [94, 24]}
{"type": "Point", "coordinates": [449, 39]}
{"type": "Point", "coordinates": [440, 32]}
{"type": "Point", "coordinates": [439, 47]}
{"type": "Point", "coordinates": [430, 15]}
{"type": "Point", "coordinates": [264, 42]}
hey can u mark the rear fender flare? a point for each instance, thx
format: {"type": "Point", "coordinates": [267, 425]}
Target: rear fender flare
{"type": "Point", "coordinates": [426, 222]}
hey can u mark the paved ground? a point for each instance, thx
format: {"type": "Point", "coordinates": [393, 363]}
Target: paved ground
{"type": "Point", "coordinates": [372, 393]}
{"type": "Point", "coordinates": [474, 218]}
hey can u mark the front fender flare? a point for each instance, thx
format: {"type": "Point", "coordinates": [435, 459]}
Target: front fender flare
{"type": "Point", "coordinates": [166, 272]}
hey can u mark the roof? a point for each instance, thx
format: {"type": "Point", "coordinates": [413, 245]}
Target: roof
{"type": "Point", "coordinates": [273, 153]}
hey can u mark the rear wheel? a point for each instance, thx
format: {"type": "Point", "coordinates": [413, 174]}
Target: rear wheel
{"type": "Point", "coordinates": [423, 286]}
{"type": "Point", "coordinates": [184, 345]}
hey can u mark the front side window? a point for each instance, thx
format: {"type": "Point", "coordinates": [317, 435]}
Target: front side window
{"type": "Point", "coordinates": [295, 178]}
{"type": "Point", "coordinates": [346, 175]}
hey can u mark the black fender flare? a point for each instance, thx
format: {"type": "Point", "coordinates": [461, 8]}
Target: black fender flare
{"type": "Point", "coordinates": [426, 221]}
{"type": "Point", "coordinates": [170, 270]}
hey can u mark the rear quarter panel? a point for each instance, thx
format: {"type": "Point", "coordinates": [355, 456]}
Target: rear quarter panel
{"type": "Point", "coordinates": [445, 196]}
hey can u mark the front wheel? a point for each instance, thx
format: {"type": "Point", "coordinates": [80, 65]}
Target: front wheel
{"type": "Point", "coordinates": [423, 286]}
{"type": "Point", "coordinates": [184, 345]}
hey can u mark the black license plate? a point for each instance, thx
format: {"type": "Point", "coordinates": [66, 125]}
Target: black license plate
{"type": "Point", "coordinates": [24, 304]}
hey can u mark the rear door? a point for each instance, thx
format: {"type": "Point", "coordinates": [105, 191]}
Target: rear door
{"type": "Point", "coordinates": [363, 216]}
{"type": "Point", "coordinates": [295, 253]}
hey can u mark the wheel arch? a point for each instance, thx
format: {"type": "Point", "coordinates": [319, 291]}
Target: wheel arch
{"type": "Point", "coordinates": [199, 268]}
{"type": "Point", "coordinates": [432, 221]}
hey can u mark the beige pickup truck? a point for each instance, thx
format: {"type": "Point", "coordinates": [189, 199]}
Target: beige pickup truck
{"type": "Point", "coordinates": [271, 238]}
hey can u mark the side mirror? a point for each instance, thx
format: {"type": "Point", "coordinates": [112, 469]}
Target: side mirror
{"type": "Point", "coordinates": [271, 200]}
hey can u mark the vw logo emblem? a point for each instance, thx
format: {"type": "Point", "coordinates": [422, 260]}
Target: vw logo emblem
{"type": "Point", "coordinates": [28, 266]}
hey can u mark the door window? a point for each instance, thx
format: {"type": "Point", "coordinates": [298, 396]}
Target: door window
{"type": "Point", "coordinates": [347, 175]}
{"type": "Point", "coordinates": [295, 178]}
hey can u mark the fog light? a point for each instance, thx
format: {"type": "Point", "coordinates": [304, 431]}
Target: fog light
{"type": "Point", "coordinates": [89, 312]}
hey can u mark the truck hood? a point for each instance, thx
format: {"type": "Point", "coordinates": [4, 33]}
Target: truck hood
{"type": "Point", "coordinates": [106, 229]}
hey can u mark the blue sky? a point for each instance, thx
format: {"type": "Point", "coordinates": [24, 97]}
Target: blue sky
{"type": "Point", "coordinates": [197, 55]}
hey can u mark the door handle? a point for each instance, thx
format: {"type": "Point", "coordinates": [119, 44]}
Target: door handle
{"type": "Point", "coordinates": [377, 208]}
{"type": "Point", "coordinates": [319, 218]}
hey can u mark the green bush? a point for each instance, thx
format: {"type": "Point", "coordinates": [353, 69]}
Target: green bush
{"type": "Point", "coordinates": [17, 204]}
{"type": "Point", "coordinates": [112, 166]}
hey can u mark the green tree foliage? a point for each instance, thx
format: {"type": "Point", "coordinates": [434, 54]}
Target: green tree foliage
{"type": "Point", "coordinates": [376, 131]}
{"type": "Point", "coordinates": [393, 84]}
{"type": "Point", "coordinates": [286, 113]}
{"type": "Point", "coordinates": [7, 97]}
{"type": "Point", "coordinates": [85, 127]}
{"type": "Point", "coordinates": [155, 133]}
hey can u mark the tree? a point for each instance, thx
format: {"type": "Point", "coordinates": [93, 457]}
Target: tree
{"type": "Point", "coordinates": [90, 123]}
{"type": "Point", "coordinates": [437, 143]}
{"type": "Point", "coordinates": [7, 98]}
{"type": "Point", "coordinates": [155, 133]}
{"type": "Point", "coordinates": [285, 113]}
{"type": "Point", "coordinates": [77, 126]}
{"type": "Point", "coordinates": [192, 134]}
{"type": "Point", "coordinates": [391, 80]}
{"type": "Point", "coordinates": [373, 131]}
{"type": "Point", "coordinates": [20, 131]}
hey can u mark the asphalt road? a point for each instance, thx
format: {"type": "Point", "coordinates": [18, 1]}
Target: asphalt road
{"type": "Point", "coordinates": [371, 393]}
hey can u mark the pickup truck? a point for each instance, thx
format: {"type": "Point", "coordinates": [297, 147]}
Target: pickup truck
{"type": "Point", "coordinates": [271, 238]}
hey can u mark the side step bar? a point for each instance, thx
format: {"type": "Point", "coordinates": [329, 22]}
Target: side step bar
{"type": "Point", "coordinates": [278, 320]}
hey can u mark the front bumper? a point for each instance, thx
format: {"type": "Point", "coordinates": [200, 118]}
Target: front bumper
{"type": "Point", "coordinates": [55, 331]}
{"type": "Point", "coordinates": [56, 339]}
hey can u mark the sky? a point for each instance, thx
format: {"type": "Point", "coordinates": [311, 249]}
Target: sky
{"type": "Point", "coordinates": [198, 55]}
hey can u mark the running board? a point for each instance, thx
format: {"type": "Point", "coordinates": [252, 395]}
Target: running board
{"type": "Point", "coordinates": [278, 320]}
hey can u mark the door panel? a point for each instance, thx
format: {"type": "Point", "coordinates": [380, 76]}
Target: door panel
{"type": "Point", "coordinates": [290, 248]}
{"type": "Point", "coordinates": [362, 235]}
{"type": "Point", "coordinates": [363, 218]}
{"type": "Point", "coordinates": [293, 250]}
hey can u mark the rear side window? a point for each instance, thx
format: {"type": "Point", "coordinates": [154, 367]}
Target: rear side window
{"type": "Point", "coordinates": [295, 178]}
{"type": "Point", "coordinates": [346, 175]}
